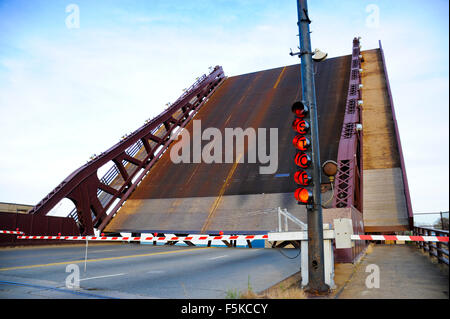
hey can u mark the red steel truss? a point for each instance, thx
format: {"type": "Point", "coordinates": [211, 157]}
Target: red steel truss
{"type": "Point", "coordinates": [133, 157]}
{"type": "Point", "coordinates": [348, 182]}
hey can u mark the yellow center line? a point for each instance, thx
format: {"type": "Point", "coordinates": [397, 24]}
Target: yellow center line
{"type": "Point", "coordinates": [193, 173]}
{"type": "Point", "coordinates": [279, 78]}
{"type": "Point", "coordinates": [227, 119]}
{"type": "Point", "coordinates": [99, 259]}
{"type": "Point", "coordinates": [219, 197]}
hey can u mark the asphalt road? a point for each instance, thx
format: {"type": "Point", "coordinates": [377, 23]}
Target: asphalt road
{"type": "Point", "coordinates": [141, 271]}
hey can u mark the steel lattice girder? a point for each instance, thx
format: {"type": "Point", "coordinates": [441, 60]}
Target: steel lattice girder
{"type": "Point", "coordinates": [82, 187]}
{"type": "Point", "coordinates": [348, 182]}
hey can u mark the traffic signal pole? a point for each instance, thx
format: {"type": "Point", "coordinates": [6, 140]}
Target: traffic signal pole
{"type": "Point", "coordinates": [316, 280]}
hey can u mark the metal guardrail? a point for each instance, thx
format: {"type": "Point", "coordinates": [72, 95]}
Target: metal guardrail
{"type": "Point", "coordinates": [287, 215]}
{"type": "Point", "coordinates": [436, 249]}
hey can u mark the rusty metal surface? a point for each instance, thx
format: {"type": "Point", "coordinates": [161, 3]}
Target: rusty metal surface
{"type": "Point", "coordinates": [35, 225]}
{"type": "Point", "coordinates": [258, 100]}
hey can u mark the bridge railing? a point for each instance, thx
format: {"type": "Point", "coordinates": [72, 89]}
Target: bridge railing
{"type": "Point", "coordinates": [436, 249]}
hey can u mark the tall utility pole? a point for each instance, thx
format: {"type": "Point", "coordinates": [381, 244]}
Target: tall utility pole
{"type": "Point", "coordinates": [316, 280]}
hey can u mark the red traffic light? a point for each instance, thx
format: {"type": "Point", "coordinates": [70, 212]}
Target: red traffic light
{"type": "Point", "coordinates": [300, 126]}
{"type": "Point", "coordinates": [303, 195]}
{"type": "Point", "coordinates": [302, 178]}
{"type": "Point", "coordinates": [301, 142]}
{"type": "Point", "coordinates": [303, 160]}
{"type": "Point", "coordinates": [299, 109]}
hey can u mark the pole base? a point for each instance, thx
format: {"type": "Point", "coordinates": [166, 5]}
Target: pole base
{"type": "Point", "coordinates": [322, 290]}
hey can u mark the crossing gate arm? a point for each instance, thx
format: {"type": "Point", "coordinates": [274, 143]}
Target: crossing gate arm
{"type": "Point", "coordinates": [401, 238]}
{"type": "Point", "coordinates": [436, 246]}
{"type": "Point", "coordinates": [11, 232]}
{"type": "Point", "coordinates": [164, 239]}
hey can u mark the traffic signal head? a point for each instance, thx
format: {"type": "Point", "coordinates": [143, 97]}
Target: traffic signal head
{"type": "Point", "coordinates": [299, 109]}
{"type": "Point", "coordinates": [303, 195]}
{"type": "Point", "coordinates": [300, 126]}
{"type": "Point", "coordinates": [303, 159]}
{"type": "Point", "coordinates": [302, 178]}
{"type": "Point", "coordinates": [302, 143]}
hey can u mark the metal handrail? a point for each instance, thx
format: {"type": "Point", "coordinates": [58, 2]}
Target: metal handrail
{"type": "Point", "coordinates": [291, 217]}
{"type": "Point", "coordinates": [436, 249]}
{"type": "Point", "coordinates": [436, 230]}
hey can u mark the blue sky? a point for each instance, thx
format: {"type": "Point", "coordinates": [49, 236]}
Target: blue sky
{"type": "Point", "coordinates": [66, 94]}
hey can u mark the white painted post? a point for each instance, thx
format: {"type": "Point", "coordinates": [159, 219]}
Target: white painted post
{"type": "Point", "coordinates": [304, 262]}
{"type": "Point", "coordinates": [85, 255]}
{"type": "Point", "coordinates": [302, 236]}
{"type": "Point", "coordinates": [279, 220]}
{"type": "Point", "coordinates": [328, 263]}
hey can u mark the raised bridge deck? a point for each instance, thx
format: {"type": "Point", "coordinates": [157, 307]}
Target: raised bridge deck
{"type": "Point", "coordinates": [193, 197]}
{"type": "Point", "coordinates": [235, 197]}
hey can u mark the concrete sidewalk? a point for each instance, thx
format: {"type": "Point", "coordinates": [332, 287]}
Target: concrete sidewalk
{"type": "Point", "coordinates": [404, 273]}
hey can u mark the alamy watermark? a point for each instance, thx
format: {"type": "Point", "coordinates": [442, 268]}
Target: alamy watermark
{"type": "Point", "coordinates": [373, 19]}
{"type": "Point", "coordinates": [73, 17]}
{"type": "Point", "coordinates": [373, 279]}
{"type": "Point", "coordinates": [229, 149]}
{"type": "Point", "coordinates": [73, 279]}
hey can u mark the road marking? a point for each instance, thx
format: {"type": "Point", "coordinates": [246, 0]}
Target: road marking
{"type": "Point", "coordinates": [101, 251]}
{"type": "Point", "coordinates": [212, 258]}
{"type": "Point", "coordinates": [190, 177]}
{"type": "Point", "coordinates": [219, 196]}
{"type": "Point", "coordinates": [228, 119]}
{"type": "Point", "coordinates": [102, 276]}
{"type": "Point", "coordinates": [40, 287]}
{"type": "Point", "coordinates": [100, 259]}
{"type": "Point", "coordinates": [279, 78]}
{"type": "Point", "coordinates": [155, 272]}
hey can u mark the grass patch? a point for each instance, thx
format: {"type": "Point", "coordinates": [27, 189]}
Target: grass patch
{"type": "Point", "coordinates": [287, 289]}
{"type": "Point", "coordinates": [289, 293]}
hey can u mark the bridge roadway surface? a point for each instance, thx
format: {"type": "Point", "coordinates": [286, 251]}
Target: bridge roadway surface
{"type": "Point", "coordinates": [141, 271]}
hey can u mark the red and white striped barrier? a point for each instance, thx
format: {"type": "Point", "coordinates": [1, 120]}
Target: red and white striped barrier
{"type": "Point", "coordinates": [220, 237]}
{"type": "Point", "coordinates": [395, 237]}
{"type": "Point", "coordinates": [14, 232]}
{"type": "Point", "coordinates": [150, 238]}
